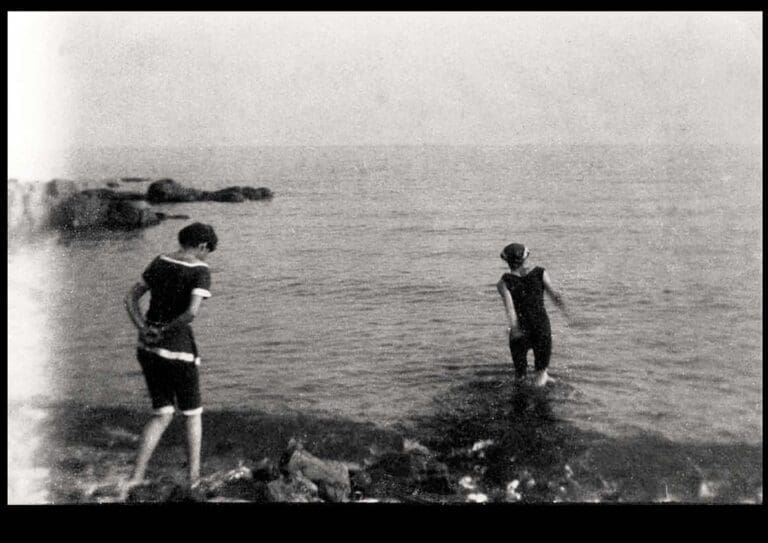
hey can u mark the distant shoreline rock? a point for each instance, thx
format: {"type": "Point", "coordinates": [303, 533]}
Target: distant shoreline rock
{"type": "Point", "coordinates": [170, 191]}
{"type": "Point", "coordinates": [135, 179]}
{"type": "Point", "coordinates": [68, 205]}
{"type": "Point", "coordinates": [102, 208]}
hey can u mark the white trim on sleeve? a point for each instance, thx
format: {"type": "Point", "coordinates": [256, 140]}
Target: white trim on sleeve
{"type": "Point", "coordinates": [201, 292]}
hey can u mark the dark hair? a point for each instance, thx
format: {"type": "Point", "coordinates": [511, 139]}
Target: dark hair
{"type": "Point", "coordinates": [197, 233]}
{"type": "Point", "coordinates": [514, 254]}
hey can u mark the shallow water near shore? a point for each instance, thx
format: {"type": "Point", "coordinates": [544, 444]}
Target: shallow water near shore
{"type": "Point", "coordinates": [364, 294]}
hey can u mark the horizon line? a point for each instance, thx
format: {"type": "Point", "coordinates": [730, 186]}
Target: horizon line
{"type": "Point", "coordinates": [476, 145]}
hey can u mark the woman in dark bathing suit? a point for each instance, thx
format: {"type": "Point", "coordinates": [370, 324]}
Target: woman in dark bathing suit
{"type": "Point", "coordinates": [522, 290]}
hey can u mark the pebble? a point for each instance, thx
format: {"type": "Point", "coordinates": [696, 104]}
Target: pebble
{"type": "Point", "coordinates": [705, 491]}
{"type": "Point", "coordinates": [411, 445]}
{"type": "Point", "coordinates": [477, 498]}
{"type": "Point", "coordinates": [467, 483]}
{"type": "Point", "coordinates": [480, 445]}
{"type": "Point", "coordinates": [512, 494]}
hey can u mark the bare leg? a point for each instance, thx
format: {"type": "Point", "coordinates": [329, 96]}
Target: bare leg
{"type": "Point", "coordinates": [194, 425]}
{"type": "Point", "coordinates": [150, 437]}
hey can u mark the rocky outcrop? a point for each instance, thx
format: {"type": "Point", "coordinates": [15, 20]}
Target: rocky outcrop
{"type": "Point", "coordinates": [298, 477]}
{"type": "Point", "coordinates": [420, 470]}
{"type": "Point", "coordinates": [103, 208]}
{"type": "Point", "coordinates": [170, 191]}
{"type": "Point", "coordinates": [293, 488]}
{"type": "Point", "coordinates": [259, 193]}
{"type": "Point", "coordinates": [85, 204]}
{"type": "Point", "coordinates": [330, 476]}
{"type": "Point", "coordinates": [226, 195]}
{"type": "Point", "coordinates": [130, 214]}
{"type": "Point", "coordinates": [30, 204]}
{"type": "Point", "coordinates": [82, 210]}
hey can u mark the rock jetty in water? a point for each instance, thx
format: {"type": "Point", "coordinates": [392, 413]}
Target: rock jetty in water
{"type": "Point", "coordinates": [85, 204]}
{"type": "Point", "coordinates": [102, 208]}
{"type": "Point", "coordinates": [170, 191]}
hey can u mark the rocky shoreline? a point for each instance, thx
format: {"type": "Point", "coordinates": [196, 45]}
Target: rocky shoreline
{"type": "Point", "coordinates": [486, 443]}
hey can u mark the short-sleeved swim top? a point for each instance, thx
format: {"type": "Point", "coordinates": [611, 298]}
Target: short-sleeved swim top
{"type": "Point", "coordinates": [528, 298]}
{"type": "Point", "coordinates": [171, 284]}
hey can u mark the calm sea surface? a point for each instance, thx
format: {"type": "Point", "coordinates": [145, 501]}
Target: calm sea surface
{"type": "Point", "coordinates": [366, 287]}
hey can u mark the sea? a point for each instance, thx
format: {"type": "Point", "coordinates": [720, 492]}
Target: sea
{"type": "Point", "coordinates": [365, 292]}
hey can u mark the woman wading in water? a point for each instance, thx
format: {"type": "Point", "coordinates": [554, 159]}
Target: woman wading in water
{"type": "Point", "coordinates": [522, 290]}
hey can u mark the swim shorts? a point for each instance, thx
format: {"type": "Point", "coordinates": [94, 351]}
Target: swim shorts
{"type": "Point", "coordinates": [171, 383]}
{"type": "Point", "coordinates": [541, 343]}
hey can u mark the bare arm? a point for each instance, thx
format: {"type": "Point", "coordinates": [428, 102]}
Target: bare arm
{"type": "Point", "coordinates": [148, 334]}
{"type": "Point", "coordinates": [509, 308]}
{"type": "Point", "coordinates": [556, 297]}
{"type": "Point", "coordinates": [132, 305]}
{"type": "Point", "coordinates": [152, 334]}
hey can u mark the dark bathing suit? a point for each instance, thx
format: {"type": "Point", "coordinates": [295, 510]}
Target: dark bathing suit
{"type": "Point", "coordinates": [528, 298]}
{"type": "Point", "coordinates": [170, 366]}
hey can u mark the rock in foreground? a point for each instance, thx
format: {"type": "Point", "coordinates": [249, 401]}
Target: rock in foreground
{"type": "Point", "coordinates": [330, 476]}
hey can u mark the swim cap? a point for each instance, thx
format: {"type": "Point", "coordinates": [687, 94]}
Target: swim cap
{"type": "Point", "coordinates": [515, 253]}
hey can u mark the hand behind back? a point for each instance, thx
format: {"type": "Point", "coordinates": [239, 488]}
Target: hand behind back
{"type": "Point", "coordinates": [151, 335]}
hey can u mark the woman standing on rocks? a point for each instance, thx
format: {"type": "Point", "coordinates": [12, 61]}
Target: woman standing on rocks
{"type": "Point", "coordinates": [177, 283]}
{"type": "Point", "coordinates": [522, 290]}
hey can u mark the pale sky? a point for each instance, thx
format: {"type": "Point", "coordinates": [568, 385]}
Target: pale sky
{"type": "Point", "coordinates": [483, 78]}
